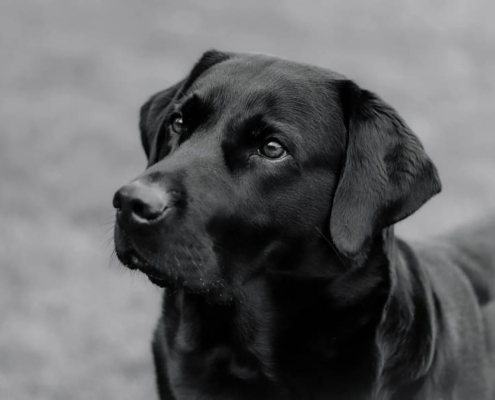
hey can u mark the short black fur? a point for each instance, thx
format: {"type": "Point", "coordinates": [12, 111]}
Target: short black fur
{"type": "Point", "coordinates": [283, 278]}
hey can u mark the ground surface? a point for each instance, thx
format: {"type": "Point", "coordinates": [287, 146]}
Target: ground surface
{"type": "Point", "coordinates": [72, 76]}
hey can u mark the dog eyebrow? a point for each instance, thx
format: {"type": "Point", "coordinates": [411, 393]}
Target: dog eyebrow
{"type": "Point", "coordinates": [255, 124]}
{"type": "Point", "coordinates": [258, 125]}
{"type": "Point", "coordinates": [196, 111]}
{"type": "Point", "coordinates": [251, 128]}
{"type": "Point", "coordinates": [195, 107]}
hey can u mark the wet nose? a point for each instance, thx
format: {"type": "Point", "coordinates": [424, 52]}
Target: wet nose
{"type": "Point", "coordinates": [140, 202]}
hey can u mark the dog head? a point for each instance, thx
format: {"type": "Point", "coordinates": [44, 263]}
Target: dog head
{"type": "Point", "coordinates": [259, 165]}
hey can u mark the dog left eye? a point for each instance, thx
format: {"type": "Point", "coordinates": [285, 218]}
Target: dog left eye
{"type": "Point", "coordinates": [273, 150]}
{"type": "Point", "coordinates": [177, 123]}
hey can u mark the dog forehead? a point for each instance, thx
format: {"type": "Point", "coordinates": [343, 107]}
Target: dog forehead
{"type": "Point", "coordinates": [248, 73]}
{"type": "Point", "coordinates": [256, 80]}
{"type": "Point", "coordinates": [249, 64]}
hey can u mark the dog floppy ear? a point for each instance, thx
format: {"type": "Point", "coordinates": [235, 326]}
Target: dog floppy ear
{"type": "Point", "coordinates": [149, 115]}
{"type": "Point", "coordinates": [153, 111]}
{"type": "Point", "coordinates": [387, 174]}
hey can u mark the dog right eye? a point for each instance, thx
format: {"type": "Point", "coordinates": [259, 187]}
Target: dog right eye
{"type": "Point", "coordinates": [177, 123]}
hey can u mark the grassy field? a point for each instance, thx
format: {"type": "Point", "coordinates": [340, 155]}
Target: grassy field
{"type": "Point", "coordinates": [74, 325]}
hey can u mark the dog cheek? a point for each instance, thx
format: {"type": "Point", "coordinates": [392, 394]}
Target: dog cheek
{"type": "Point", "coordinates": [302, 204]}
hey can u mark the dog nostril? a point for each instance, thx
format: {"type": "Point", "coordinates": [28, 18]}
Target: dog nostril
{"type": "Point", "coordinates": [149, 210]}
{"type": "Point", "coordinates": [117, 202]}
{"type": "Point", "coordinates": [139, 209]}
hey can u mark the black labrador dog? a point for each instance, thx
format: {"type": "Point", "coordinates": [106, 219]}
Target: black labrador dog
{"type": "Point", "coordinates": [267, 211]}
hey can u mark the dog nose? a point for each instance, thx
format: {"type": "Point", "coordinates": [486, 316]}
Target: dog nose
{"type": "Point", "coordinates": [141, 202]}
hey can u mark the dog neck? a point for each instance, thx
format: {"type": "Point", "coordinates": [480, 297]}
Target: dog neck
{"type": "Point", "coordinates": [335, 329]}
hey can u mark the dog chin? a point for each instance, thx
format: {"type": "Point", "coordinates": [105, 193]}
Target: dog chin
{"type": "Point", "coordinates": [213, 290]}
{"type": "Point", "coordinates": [212, 293]}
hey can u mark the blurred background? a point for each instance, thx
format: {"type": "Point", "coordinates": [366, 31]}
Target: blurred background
{"type": "Point", "coordinates": [73, 74]}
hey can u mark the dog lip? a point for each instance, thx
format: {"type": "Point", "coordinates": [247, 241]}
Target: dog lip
{"type": "Point", "coordinates": [128, 254]}
{"type": "Point", "coordinates": [133, 259]}
{"type": "Point", "coordinates": [137, 262]}
{"type": "Point", "coordinates": [158, 281]}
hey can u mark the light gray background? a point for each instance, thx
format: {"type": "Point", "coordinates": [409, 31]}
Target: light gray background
{"type": "Point", "coordinates": [74, 325]}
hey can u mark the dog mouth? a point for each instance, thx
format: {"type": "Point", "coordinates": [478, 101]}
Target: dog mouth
{"type": "Point", "coordinates": [135, 261]}
{"type": "Point", "coordinates": [211, 287]}
{"type": "Point", "coordinates": [131, 258]}
{"type": "Point", "coordinates": [139, 263]}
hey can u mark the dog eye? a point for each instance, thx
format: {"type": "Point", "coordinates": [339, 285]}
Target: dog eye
{"type": "Point", "coordinates": [273, 150]}
{"type": "Point", "coordinates": [177, 123]}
